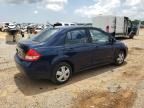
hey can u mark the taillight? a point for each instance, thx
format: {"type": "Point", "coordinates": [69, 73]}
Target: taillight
{"type": "Point", "coordinates": [32, 55]}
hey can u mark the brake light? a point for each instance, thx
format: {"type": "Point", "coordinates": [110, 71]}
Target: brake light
{"type": "Point", "coordinates": [32, 55]}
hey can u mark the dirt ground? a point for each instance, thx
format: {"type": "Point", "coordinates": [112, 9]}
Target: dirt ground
{"type": "Point", "coordinates": [103, 87]}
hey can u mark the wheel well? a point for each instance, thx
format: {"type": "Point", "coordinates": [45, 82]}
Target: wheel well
{"type": "Point", "coordinates": [71, 64]}
{"type": "Point", "coordinates": [124, 52]}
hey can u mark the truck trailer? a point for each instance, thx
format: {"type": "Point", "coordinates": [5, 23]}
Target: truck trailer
{"type": "Point", "coordinates": [118, 26]}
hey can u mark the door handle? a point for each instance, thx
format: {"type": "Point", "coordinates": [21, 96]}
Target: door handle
{"type": "Point", "coordinates": [96, 46]}
{"type": "Point", "coordinates": [69, 49]}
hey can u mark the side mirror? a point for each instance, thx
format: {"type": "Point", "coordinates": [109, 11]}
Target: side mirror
{"type": "Point", "coordinates": [112, 40]}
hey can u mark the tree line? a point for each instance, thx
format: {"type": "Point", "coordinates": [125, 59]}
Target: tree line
{"type": "Point", "coordinates": [136, 22]}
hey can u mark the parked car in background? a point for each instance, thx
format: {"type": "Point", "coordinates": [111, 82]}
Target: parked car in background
{"type": "Point", "coordinates": [31, 28]}
{"type": "Point", "coordinates": [5, 26]}
{"type": "Point", "coordinates": [23, 29]}
{"type": "Point", "coordinates": [48, 25]}
{"type": "Point", "coordinates": [1, 26]}
{"type": "Point", "coordinates": [39, 28]}
{"type": "Point", "coordinates": [84, 24]}
{"type": "Point", "coordinates": [57, 53]}
{"type": "Point", "coordinates": [62, 24]}
{"type": "Point", "coordinates": [12, 26]}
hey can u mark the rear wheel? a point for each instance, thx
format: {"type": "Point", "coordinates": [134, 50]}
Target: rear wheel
{"type": "Point", "coordinates": [119, 60]}
{"type": "Point", "coordinates": [61, 73]}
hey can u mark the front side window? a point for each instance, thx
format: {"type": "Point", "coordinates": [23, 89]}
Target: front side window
{"type": "Point", "coordinates": [98, 36]}
{"type": "Point", "coordinates": [76, 37]}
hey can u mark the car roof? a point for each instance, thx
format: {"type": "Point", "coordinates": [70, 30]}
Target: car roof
{"type": "Point", "coordinates": [74, 27]}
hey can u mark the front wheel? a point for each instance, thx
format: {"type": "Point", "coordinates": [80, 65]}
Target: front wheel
{"type": "Point", "coordinates": [131, 35]}
{"type": "Point", "coordinates": [61, 73]}
{"type": "Point", "coordinates": [120, 57]}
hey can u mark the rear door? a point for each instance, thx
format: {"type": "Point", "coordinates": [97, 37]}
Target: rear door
{"type": "Point", "coordinates": [102, 48]}
{"type": "Point", "coordinates": [78, 49]}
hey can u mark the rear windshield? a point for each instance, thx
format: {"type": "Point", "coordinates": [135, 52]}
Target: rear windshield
{"type": "Point", "coordinates": [44, 35]}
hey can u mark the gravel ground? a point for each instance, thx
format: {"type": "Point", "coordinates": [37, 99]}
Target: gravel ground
{"type": "Point", "coordinates": [104, 87]}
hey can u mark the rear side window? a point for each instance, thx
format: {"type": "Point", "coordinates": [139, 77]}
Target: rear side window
{"type": "Point", "coordinates": [98, 36]}
{"type": "Point", "coordinates": [76, 37]}
{"type": "Point", "coordinates": [45, 35]}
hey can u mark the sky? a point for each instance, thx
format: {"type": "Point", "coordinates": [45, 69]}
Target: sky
{"type": "Point", "coordinates": [41, 11]}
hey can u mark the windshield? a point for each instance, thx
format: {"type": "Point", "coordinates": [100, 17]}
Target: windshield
{"type": "Point", "coordinates": [44, 35]}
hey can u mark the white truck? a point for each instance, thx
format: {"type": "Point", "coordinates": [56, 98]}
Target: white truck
{"type": "Point", "coordinates": [118, 26]}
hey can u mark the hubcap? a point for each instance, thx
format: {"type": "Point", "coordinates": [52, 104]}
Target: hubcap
{"type": "Point", "coordinates": [63, 73]}
{"type": "Point", "coordinates": [120, 58]}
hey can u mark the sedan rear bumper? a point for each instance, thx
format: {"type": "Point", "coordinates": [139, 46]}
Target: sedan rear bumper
{"type": "Point", "coordinates": [34, 70]}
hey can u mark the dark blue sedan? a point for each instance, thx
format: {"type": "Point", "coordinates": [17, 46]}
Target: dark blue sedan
{"type": "Point", "coordinates": [57, 53]}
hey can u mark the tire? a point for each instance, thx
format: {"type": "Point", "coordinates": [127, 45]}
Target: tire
{"type": "Point", "coordinates": [61, 73]}
{"type": "Point", "coordinates": [131, 35]}
{"type": "Point", "coordinates": [120, 57]}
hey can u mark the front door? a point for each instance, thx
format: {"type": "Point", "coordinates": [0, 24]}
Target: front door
{"type": "Point", "coordinates": [102, 47]}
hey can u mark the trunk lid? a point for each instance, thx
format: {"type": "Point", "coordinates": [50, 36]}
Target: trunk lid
{"type": "Point", "coordinates": [24, 46]}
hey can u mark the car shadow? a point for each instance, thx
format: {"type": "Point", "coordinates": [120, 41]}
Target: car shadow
{"type": "Point", "coordinates": [11, 43]}
{"type": "Point", "coordinates": [33, 87]}
{"type": "Point", "coordinates": [122, 38]}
